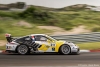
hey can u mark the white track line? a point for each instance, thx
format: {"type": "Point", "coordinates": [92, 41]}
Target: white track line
{"type": "Point", "coordinates": [84, 51]}
{"type": "Point", "coordinates": [0, 51]}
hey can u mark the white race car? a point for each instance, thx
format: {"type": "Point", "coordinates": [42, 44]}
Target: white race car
{"type": "Point", "coordinates": [39, 43]}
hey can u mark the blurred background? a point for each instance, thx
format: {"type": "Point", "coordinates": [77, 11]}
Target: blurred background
{"type": "Point", "coordinates": [21, 18]}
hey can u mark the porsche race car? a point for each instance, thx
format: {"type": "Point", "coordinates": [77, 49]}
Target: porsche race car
{"type": "Point", "coordinates": [39, 43]}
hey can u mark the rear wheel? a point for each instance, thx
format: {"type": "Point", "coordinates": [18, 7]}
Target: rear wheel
{"type": "Point", "coordinates": [65, 49]}
{"type": "Point", "coordinates": [23, 49]}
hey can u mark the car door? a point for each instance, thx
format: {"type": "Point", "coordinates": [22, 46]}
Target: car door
{"type": "Point", "coordinates": [44, 42]}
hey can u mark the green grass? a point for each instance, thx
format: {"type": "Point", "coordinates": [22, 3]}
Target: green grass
{"type": "Point", "coordinates": [70, 19]}
{"type": "Point", "coordinates": [92, 45]}
{"type": "Point", "coordinates": [65, 19]}
{"type": "Point", "coordinates": [2, 47]}
{"type": "Point", "coordinates": [6, 26]}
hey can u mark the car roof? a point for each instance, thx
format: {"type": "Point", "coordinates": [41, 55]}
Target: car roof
{"type": "Point", "coordinates": [37, 34]}
{"type": "Point", "coordinates": [32, 35]}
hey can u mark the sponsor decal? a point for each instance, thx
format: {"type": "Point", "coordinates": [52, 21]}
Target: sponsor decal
{"type": "Point", "coordinates": [47, 46]}
{"type": "Point", "coordinates": [44, 47]}
{"type": "Point", "coordinates": [52, 44]}
{"type": "Point", "coordinates": [53, 49]}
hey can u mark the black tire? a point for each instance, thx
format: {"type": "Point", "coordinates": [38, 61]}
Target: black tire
{"type": "Point", "coordinates": [23, 49]}
{"type": "Point", "coordinates": [65, 49]}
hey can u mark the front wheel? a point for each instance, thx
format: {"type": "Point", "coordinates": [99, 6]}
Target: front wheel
{"type": "Point", "coordinates": [65, 49]}
{"type": "Point", "coordinates": [23, 49]}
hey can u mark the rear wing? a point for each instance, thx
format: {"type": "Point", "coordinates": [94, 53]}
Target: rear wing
{"type": "Point", "coordinates": [8, 37]}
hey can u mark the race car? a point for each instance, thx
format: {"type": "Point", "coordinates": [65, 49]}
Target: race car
{"type": "Point", "coordinates": [36, 43]}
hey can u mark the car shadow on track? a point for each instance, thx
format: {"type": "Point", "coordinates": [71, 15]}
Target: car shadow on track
{"type": "Point", "coordinates": [37, 54]}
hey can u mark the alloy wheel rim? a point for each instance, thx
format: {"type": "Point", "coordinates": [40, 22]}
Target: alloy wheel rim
{"type": "Point", "coordinates": [65, 49]}
{"type": "Point", "coordinates": [23, 49]}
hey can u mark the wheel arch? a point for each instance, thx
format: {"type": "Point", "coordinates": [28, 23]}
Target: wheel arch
{"type": "Point", "coordinates": [18, 46]}
{"type": "Point", "coordinates": [64, 44]}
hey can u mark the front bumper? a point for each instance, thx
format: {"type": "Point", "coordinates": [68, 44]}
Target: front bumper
{"type": "Point", "coordinates": [75, 49]}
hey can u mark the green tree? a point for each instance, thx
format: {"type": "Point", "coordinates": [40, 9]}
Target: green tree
{"type": "Point", "coordinates": [21, 5]}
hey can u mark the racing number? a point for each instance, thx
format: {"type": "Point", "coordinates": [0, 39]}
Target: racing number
{"type": "Point", "coordinates": [53, 46]}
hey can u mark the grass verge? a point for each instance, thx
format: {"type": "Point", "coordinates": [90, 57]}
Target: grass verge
{"type": "Point", "coordinates": [10, 26]}
{"type": "Point", "coordinates": [89, 46]}
{"type": "Point", "coordinates": [2, 47]}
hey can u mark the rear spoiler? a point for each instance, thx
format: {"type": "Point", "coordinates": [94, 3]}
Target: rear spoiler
{"type": "Point", "coordinates": [8, 37]}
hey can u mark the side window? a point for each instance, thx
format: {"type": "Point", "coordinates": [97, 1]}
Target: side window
{"type": "Point", "coordinates": [37, 38]}
{"type": "Point", "coordinates": [43, 38]}
{"type": "Point", "coordinates": [40, 38]}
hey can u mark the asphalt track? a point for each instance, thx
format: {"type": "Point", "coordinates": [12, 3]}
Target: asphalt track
{"type": "Point", "coordinates": [50, 59]}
